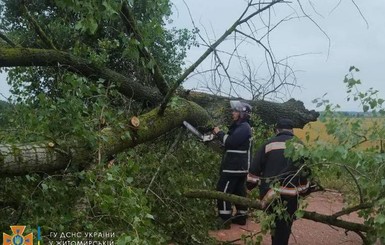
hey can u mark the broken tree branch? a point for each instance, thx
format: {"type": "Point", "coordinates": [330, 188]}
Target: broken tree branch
{"type": "Point", "coordinates": [39, 31]}
{"type": "Point", "coordinates": [13, 57]}
{"type": "Point", "coordinates": [7, 40]}
{"type": "Point", "coordinates": [256, 204]}
{"type": "Point", "coordinates": [130, 23]}
{"type": "Point", "coordinates": [352, 209]}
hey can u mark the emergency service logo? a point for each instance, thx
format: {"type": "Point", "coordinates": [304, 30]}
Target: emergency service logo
{"type": "Point", "coordinates": [17, 237]}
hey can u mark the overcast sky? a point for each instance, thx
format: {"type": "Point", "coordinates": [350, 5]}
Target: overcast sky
{"type": "Point", "coordinates": [352, 42]}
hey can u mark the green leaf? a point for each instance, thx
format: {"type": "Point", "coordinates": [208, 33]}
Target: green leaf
{"type": "Point", "coordinates": [380, 219]}
{"type": "Point", "coordinates": [126, 135]}
{"type": "Point", "coordinates": [299, 214]}
{"type": "Point", "coordinates": [130, 180]}
{"type": "Point", "coordinates": [109, 8]}
{"type": "Point", "coordinates": [149, 216]}
{"type": "Point", "coordinates": [79, 25]}
{"type": "Point", "coordinates": [110, 177]}
{"type": "Point", "coordinates": [44, 186]}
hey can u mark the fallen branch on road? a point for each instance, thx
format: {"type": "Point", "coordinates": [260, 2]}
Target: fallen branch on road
{"type": "Point", "coordinates": [256, 204]}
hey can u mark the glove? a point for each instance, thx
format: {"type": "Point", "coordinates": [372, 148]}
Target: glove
{"type": "Point", "coordinates": [250, 185]}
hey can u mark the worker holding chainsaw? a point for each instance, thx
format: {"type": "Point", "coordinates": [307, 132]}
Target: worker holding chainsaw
{"type": "Point", "coordinates": [280, 179]}
{"type": "Point", "coordinates": [235, 164]}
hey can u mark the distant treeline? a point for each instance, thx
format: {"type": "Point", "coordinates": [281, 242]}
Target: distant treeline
{"type": "Point", "coordinates": [354, 114]}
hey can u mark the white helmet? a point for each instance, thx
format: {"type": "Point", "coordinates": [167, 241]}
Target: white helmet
{"type": "Point", "coordinates": [242, 107]}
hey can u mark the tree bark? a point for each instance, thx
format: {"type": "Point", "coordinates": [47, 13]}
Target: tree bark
{"type": "Point", "coordinates": [19, 159]}
{"type": "Point", "coordinates": [15, 57]}
{"type": "Point", "coordinates": [269, 112]}
{"type": "Point", "coordinates": [25, 158]}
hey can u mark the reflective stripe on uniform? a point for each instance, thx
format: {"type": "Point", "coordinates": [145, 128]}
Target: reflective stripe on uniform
{"type": "Point", "coordinates": [275, 146]}
{"type": "Point", "coordinates": [225, 211]}
{"type": "Point", "coordinates": [234, 171]}
{"type": "Point", "coordinates": [236, 151]}
{"type": "Point", "coordinates": [249, 154]}
{"type": "Point", "coordinates": [225, 138]}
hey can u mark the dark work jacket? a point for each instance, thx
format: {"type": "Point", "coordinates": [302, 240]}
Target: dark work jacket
{"type": "Point", "coordinates": [271, 165]}
{"type": "Point", "coordinates": [237, 155]}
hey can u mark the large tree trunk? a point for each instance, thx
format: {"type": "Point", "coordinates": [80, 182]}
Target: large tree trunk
{"type": "Point", "coordinates": [18, 159]}
{"type": "Point", "coordinates": [15, 57]}
{"type": "Point", "coordinates": [269, 112]}
{"type": "Point", "coordinates": [45, 156]}
{"type": "Point", "coordinates": [26, 158]}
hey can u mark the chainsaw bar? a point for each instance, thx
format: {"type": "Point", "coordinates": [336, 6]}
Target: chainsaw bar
{"type": "Point", "coordinates": [202, 137]}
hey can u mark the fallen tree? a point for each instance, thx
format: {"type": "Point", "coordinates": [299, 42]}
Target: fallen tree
{"type": "Point", "coordinates": [18, 159]}
{"type": "Point", "coordinates": [49, 156]}
{"type": "Point", "coordinates": [269, 112]}
{"type": "Point", "coordinates": [114, 50]}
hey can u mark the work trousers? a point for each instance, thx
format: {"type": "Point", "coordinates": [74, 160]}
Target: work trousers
{"type": "Point", "coordinates": [231, 184]}
{"type": "Point", "coordinates": [282, 231]}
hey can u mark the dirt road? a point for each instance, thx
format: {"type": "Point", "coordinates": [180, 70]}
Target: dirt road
{"type": "Point", "coordinates": [304, 232]}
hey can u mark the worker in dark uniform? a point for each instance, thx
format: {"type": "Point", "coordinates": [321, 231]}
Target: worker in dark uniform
{"type": "Point", "coordinates": [279, 178]}
{"type": "Point", "coordinates": [235, 163]}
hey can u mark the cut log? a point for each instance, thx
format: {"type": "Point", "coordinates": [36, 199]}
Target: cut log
{"type": "Point", "coordinates": [135, 121]}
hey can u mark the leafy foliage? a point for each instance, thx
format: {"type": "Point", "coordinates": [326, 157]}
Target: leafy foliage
{"type": "Point", "coordinates": [353, 161]}
{"type": "Point", "coordinates": [172, 165]}
{"type": "Point", "coordinates": [54, 104]}
{"type": "Point", "coordinates": [4, 106]}
{"type": "Point", "coordinates": [101, 200]}
{"type": "Point", "coordinates": [138, 194]}
{"type": "Point", "coordinates": [94, 30]}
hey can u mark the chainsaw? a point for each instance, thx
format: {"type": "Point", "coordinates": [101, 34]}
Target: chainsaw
{"type": "Point", "coordinates": [202, 137]}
